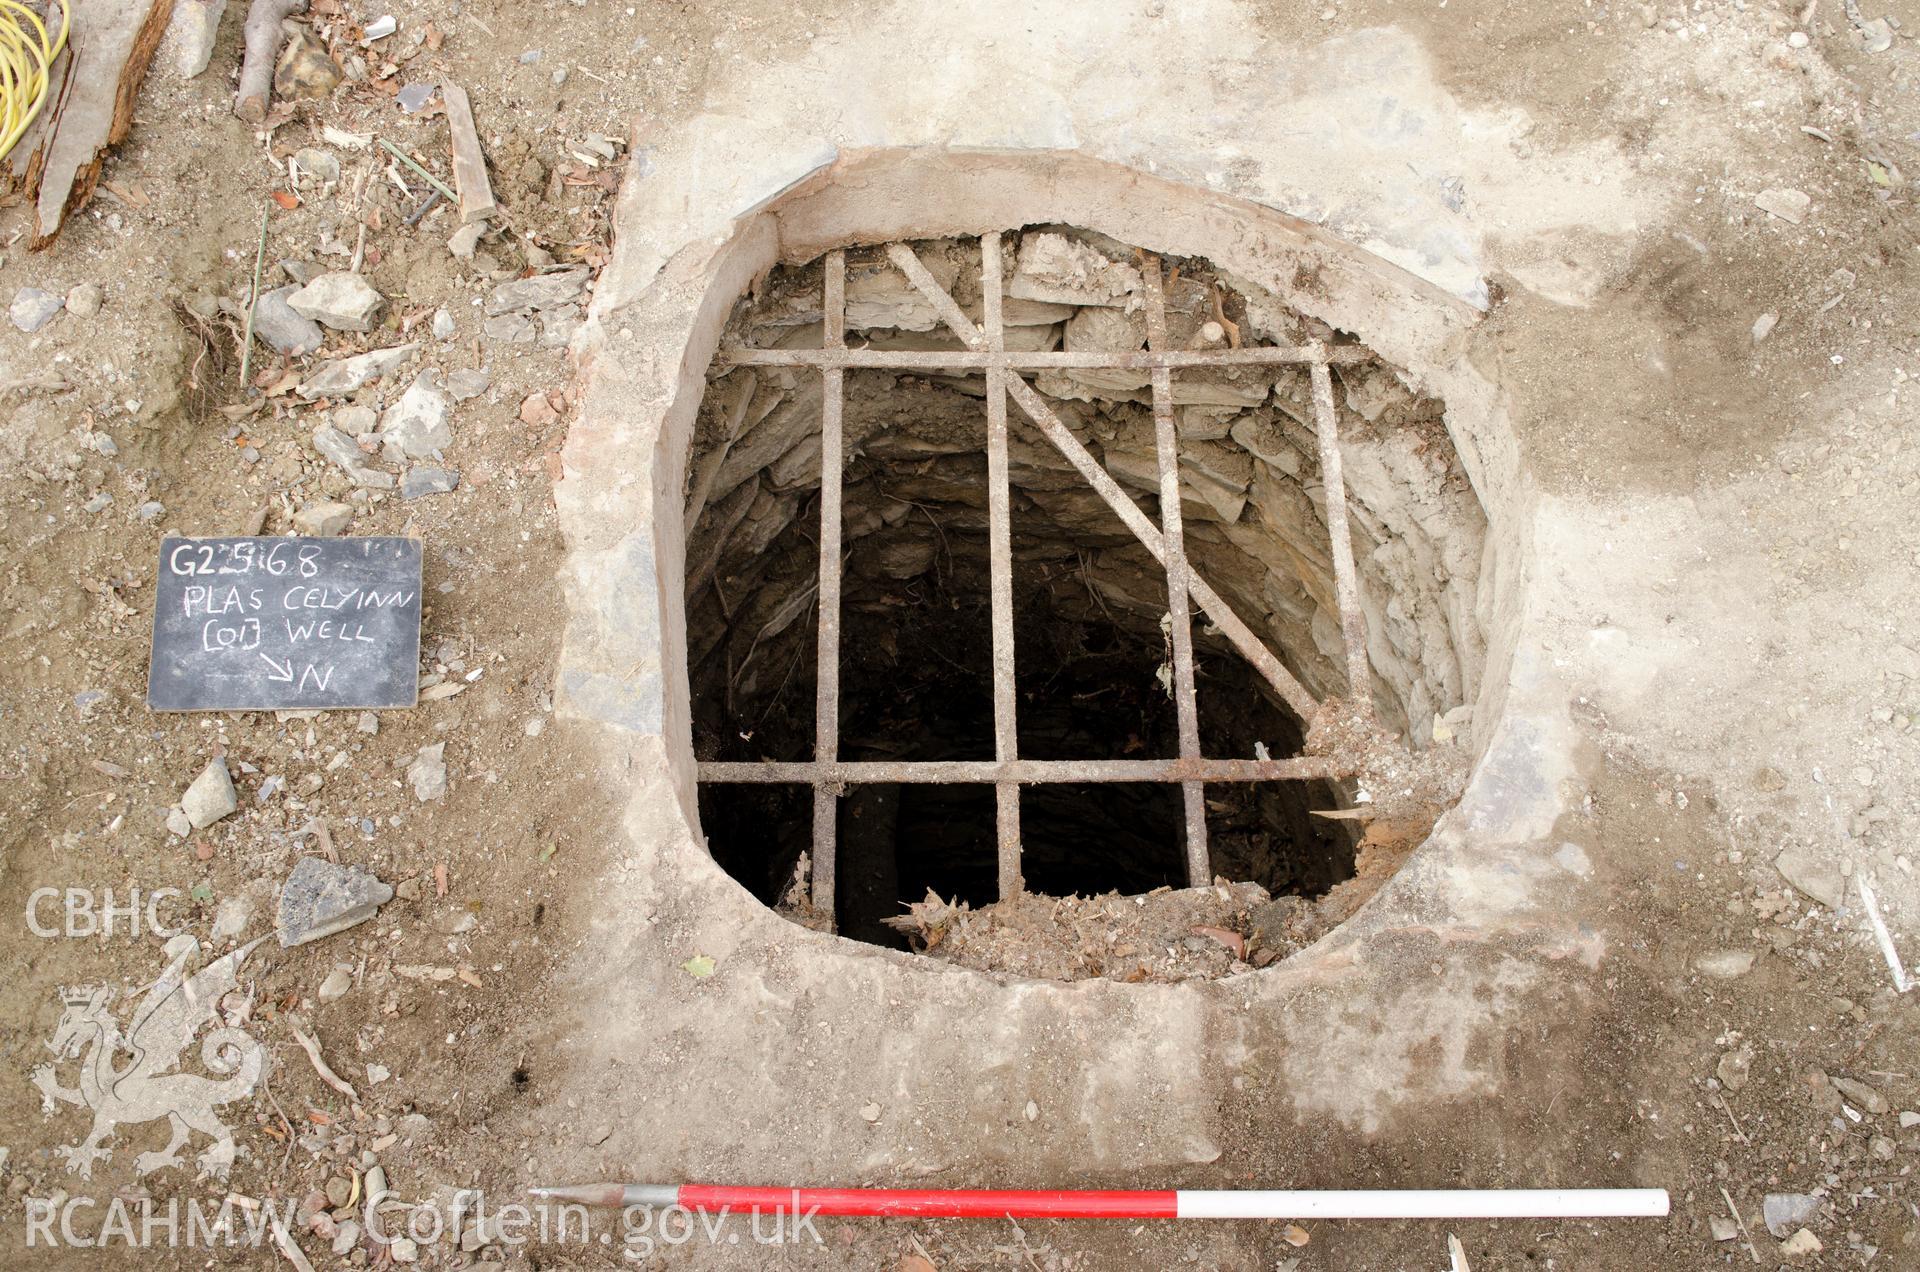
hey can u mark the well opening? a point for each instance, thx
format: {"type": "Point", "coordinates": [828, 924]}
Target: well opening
{"type": "Point", "coordinates": [1092, 648]}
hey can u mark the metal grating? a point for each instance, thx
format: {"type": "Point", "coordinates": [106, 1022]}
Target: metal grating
{"type": "Point", "coordinates": [986, 350]}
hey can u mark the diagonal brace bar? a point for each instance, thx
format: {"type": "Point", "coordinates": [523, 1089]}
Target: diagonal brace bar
{"type": "Point", "coordinates": [1291, 691]}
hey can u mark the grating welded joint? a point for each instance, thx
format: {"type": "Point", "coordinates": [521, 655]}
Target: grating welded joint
{"type": "Point", "coordinates": [986, 351]}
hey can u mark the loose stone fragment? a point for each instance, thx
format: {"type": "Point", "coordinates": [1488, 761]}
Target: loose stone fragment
{"type": "Point", "coordinates": [210, 797]}
{"type": "Point", "coordinates": [320, 898]}
{"type": "Point", "coordinates": [323, 518]}
{"type": "Point", "coordinates": [340, 300]}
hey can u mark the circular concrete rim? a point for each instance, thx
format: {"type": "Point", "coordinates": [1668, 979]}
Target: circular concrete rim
{"type": "Point", "coordinates": [650, 340]}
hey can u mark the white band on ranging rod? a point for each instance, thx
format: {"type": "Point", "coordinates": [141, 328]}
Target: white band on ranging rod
{"type": "Point", "coordinates": [1426, 1203]}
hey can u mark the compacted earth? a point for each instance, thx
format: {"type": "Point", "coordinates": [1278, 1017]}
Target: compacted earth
{"type": "Point", "coordinates": [1774, 1087]}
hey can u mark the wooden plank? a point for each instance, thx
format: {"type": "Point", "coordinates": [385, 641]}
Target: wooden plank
{"type": "Point", "coordinates": [109, 49]}
{"type": "Point", "coordinates": [469, 161]}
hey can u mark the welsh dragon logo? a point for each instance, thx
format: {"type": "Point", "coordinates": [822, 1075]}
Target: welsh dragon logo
{"type": "Point", "coordinates": [124, 1078]}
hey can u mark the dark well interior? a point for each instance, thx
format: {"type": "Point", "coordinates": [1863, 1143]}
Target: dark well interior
{"type": "Point", "coordinates": [1091, 649]}
{"type": "Point", "coordinates": [916, 685]}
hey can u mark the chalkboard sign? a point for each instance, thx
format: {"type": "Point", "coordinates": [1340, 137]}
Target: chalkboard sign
{"type": "Point", "coordinates": [285, 624]}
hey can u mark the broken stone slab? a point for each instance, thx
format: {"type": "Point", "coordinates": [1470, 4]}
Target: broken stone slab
{"type": "Point", "coordinates": [84, 301]}
{"type": "Point", "coordinates": [336, 446]}
{"type": "Point", "coordinates": [1734, 1068]}
{"type": "Point", "coordinates": [428, 772]}
{"type": "Point", "coordinates": [1801, 1243]}
{"type": "Point", "coordinates": [1812, 875]}
{"type": "Point", "coordinates": [348, 375]}
{"type": "Point", "coordinates": [557, 328]}
{"type": "Point", "coordinates": [421, 481]}
{"type": "Point", "coordinates": [880, 297]}
{"type": "Point", "coordinates": [415, 427]}
{"type": "Point", "coordinates": [281, 328]}
{"type": "Point", "coordinates": [33, 308]}
{"type": "Point", "coordinates": [191, 34]}
{"type": "Point", "coordinates": [356, 421]}
{"type": "Point", "coordinates": [340, 300]}
{"type": "Point", "coordinates": [1725, 964]}
{"type": "Point", "coordinates": [345, 452]}
{"type": "Point", "coordinates": [542, 291]}
{"type": "Point", "coordinates": [1788, 204]}
{"type": "Point", "coordinates": [1860, 1093]}
{"type": "Point", "coordinates": [320, 898]}
{"type": "Point", "coordinates": [1781, 1211]}
{"type": "Point", "coordinates": [1103, 329]}
{"type": "Point", "coordinates": [465, 384]}
{"type": "Point", "coordinates": [210, 797]}
{"type": "Point", "coordinates": [1063, 271]}
{"type": "Point", "coordinates": [509, 329]}
{"type": "Point", "coordinates": [466, 239]}
{"type": "Point", "coordinates": [231, 918]}
{"type": "Point", "coordinates": [323, 518]}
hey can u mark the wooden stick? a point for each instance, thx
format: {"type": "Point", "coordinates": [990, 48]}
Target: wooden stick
{"type": "Point", "coordinates": [263, 40]}
{"type": "Point", "coordinates": [469, 161]}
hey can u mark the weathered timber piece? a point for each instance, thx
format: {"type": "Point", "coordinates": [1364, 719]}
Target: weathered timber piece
{"type": "Point", "coordinates": [469, 161]}
{"type": "Point", "coordinates": [90, 109]}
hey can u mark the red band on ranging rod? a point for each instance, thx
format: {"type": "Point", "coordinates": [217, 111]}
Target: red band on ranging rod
{"type": "Point", "coordinates": [1164, 1203]}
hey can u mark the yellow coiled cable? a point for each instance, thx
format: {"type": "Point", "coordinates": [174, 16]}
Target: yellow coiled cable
{"type": "Point", "coordinates": [26, 55]}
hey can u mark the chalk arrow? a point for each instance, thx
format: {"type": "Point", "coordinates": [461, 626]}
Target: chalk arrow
{"type": "Point", "coordinates": [285, 669]}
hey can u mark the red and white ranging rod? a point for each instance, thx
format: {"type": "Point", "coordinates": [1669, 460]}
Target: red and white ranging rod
{"type": "Point", "coordinates": [1159, 1203]}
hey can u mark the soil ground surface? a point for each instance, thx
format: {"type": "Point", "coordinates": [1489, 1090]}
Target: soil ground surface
{"type": "Point", "coordinates": [1720, 1018]}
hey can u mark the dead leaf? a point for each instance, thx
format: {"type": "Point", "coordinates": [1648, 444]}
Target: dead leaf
{"type": "Point", "coordinates": [131, 195]}
{"type": "Point", "coordinates": [282, 386]}
{"type": "Point", "coordinates": [287, 199]}
{"type": "Point", "coordinates": [1294, 1235]}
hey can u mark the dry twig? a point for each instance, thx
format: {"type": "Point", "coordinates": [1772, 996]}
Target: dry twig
{"type": "Point", "coordinates": [312, 1047]}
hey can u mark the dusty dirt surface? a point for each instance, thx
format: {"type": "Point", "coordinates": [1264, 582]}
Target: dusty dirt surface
{"type": "Point", "coordinates": [1716, 1031]}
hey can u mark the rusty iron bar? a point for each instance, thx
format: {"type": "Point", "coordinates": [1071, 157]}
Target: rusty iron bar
{"type": "Point", "coordinates": [977, 359]}
{"type": "Point", "coordinates": [1346, 583]}
{"type": "Point", "coordinates": [826, 724]}
{"type": "Point", "coordinates": [986, 351]}
{"type": "Point", "coordinates": [1291, 691]}
{"type": "Point", "coordinates": [1238, 633]}
{"type": "Point", "coordinates": [949, 310]}
{"type": "Point", "coordinates": [1023, 772]}
{"type": "Point", "coordinates": [1006, 732]}
{"type": "Point", "coordinates": [1174, 557]}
